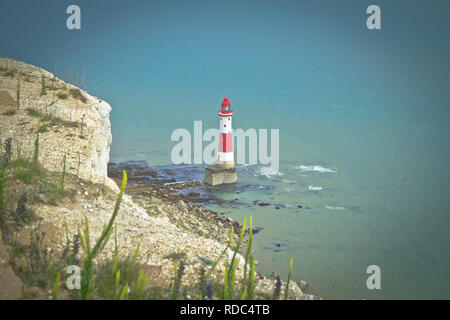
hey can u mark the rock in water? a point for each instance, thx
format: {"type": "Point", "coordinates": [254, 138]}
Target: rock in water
{"type": "Point", "coordinates": [216, 175]}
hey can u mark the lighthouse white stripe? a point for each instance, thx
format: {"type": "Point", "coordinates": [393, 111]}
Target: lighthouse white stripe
{"type": "Point", "coordinates": [225, 125]}
{"type": "Point", "coordinates": [225, 156]}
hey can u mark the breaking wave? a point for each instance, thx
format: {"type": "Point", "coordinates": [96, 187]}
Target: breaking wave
{"type": "Point", "coordinates": [269, 172]}
{"type": "Point", "coordinates": [315, 169]}
{"type": "Point", "coordinates": [255, 170]}
{"type": "Point", "coordinates": [334, 208]}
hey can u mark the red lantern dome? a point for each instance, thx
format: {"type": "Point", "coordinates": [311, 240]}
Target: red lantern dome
{"type": "Point", "coordinates": [225, 102]}
{"type": "Point", "coordinates": [226, 108]}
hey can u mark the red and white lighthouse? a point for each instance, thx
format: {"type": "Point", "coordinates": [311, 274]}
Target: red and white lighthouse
{"type": "Point", "coordinates": [224, 170]}
{"type": "Point", "coordinates": [225, 156]}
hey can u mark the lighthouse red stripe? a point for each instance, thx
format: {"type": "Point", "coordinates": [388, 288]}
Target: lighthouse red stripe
{"type": "Point", "coordinates": [225, 142]}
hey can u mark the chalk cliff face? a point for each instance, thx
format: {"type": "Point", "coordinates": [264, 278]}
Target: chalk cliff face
{"type": "Point", "coordinates": [97, 157]}
{"type": "Point", "coordinates": [81, 131]}
{"type": "Point", "coordinates": [103, 139]}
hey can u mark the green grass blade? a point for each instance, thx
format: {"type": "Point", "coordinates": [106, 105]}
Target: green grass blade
{"type": "Point", "coordinates": [222, 253]}
{"type": "Point", "coordinates": [56, 286]}
{"type": "Point", "coordinates": [251, 283]}
{"type": "Point", "coordinates": [286, 290]}
{"type": "Point", "coordinates": [174, 289]}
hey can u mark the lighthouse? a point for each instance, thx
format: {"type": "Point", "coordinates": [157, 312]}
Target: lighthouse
{"type": "Point", "coordinates": [225, 156]}
{"type": "Point", "coordinates": [224, 171]}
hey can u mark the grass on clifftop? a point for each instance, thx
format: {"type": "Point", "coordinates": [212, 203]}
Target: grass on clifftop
{"type": "Point", "coordinates": [49, 120]}
{"type": "Point", "coordinates": [76, 94]}
{"type": "Point", "coordinates": [10, 112]}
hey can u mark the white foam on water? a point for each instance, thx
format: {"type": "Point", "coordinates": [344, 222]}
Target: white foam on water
{"type": "Point", "coordinates": [312, 188]}
{"type": "Point", "coordinates": [315, 169]}
{"type": "Point", "coordinates": [334, 208]}
{"type": "Point", "coordinates": [249, 170]}
{"type": "Point", "coordinates": [269, 171]}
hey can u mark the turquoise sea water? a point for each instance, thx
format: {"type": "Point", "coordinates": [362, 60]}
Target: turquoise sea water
{"type": "Point", "coordinates": [363, 119]}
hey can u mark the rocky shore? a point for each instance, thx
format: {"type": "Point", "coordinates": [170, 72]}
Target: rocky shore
{"type": "Point", "coordinates": [162, 195]}
{"type": "Point", "coordinates": [75, 134]}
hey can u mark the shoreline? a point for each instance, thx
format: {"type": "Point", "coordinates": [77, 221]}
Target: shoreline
{"type": "Point", "coordinates": [160, 194]}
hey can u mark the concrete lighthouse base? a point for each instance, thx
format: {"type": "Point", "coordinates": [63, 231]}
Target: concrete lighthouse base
{"type": "Point", "coordinates": [220, 175]}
